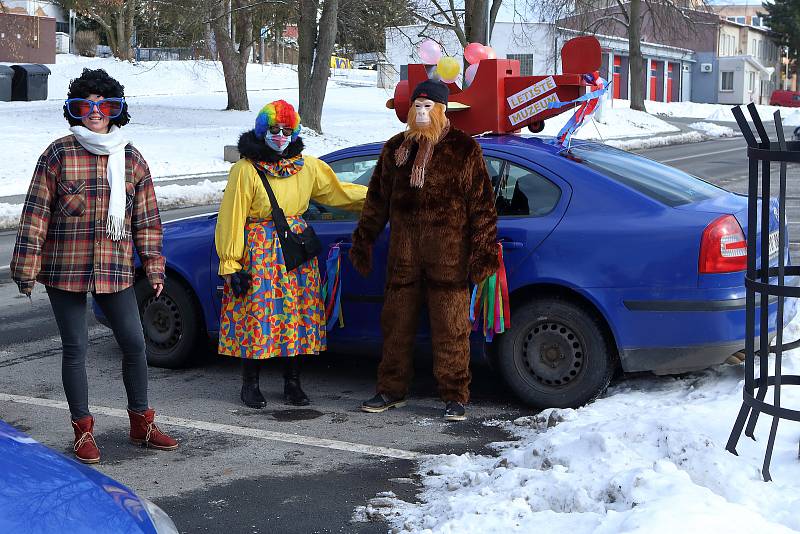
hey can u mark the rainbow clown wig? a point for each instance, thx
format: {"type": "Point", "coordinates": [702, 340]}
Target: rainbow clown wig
{"type": "Point", "coordinates": [277, 112]}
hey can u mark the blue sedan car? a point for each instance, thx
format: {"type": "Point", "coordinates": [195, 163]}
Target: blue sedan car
{"type": "Point", "coordinates": [43, 492]}
{"type": "Point", "coordinates": [615, 262]}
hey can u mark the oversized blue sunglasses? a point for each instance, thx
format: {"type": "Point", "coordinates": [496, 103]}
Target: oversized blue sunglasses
{"type": "Point", "coordinates": [80, 108]}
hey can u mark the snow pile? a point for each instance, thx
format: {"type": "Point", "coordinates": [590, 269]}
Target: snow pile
{"type": "Point", "coordinates": [617, 123]}
{"type": "Point", "coordinates": [722, 114]}
{"type": "Point", "coordinates": [791, 119]}
{"type": "Point", "coordinates": [709, 129]}
{"type": "Point", "coordinates": [676, 109]}
{"type": "Point", "coordinates": [718, 112]}
{"type": "Point", "coordinates": [201, 194]}
{"type": "Point", "coordinates": [649, 457]}
{"type": "Point", "coordinates": [653, 142]}
{"type": "Point", "coordinates": [9, 215]}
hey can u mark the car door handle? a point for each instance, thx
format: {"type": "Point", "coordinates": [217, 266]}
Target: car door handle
{"type": "Point", "coordinates": [512, 244]}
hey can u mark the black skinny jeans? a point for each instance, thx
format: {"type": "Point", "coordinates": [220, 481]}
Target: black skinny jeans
{"type": "Point", "coordinates": [122, 313]}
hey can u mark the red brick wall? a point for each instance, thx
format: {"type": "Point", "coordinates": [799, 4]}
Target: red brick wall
{"type": "Point", "coordinates": [25, 39]}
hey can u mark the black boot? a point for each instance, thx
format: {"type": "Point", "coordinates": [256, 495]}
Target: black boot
{"type": "Point", "coordinates": [292, 392]}
{"type": "Point", "coordinates": [251, 395]}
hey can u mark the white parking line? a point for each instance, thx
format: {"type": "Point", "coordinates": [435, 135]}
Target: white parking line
{"type": "Point", "coordinates": [233, 430]}
{"type": "Point", "coordinates": [739, 149]}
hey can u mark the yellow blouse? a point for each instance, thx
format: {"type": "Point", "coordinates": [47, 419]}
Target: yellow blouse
{"type": "Point", "coordinates": [245, 197]}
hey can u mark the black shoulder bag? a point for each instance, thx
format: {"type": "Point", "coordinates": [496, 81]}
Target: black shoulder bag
{"type": "Point", "coordinates": [297, 248]}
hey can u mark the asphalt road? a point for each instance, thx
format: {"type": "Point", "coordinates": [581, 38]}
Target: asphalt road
{"type": "Point", "coordinates": [271, 470]}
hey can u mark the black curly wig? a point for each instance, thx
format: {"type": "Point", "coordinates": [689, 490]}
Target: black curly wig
{"type": "Point", "coordinates": [97, 82]}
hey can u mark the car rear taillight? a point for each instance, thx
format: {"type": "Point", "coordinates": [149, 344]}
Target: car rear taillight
{"type": "Point", "coordinates": [723, 248]}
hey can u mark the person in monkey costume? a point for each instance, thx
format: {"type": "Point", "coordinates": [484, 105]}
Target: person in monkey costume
{"type": "Point", "coordinates": [432, 186]}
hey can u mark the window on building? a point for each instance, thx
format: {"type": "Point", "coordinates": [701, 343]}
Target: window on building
{"type": "Point", "coordinates": [751, 81]}
{"type": "Point", "coordinates": [740, 20]}
{"type": "Point", "coordinates": [525, 63]}
{"type": "Point", "coordinates": [728, 45]}
{"type": "Point", "coordinates": [726, 81]}
{"type": "Point", "coordinates": [756, 21]}
{"type": "Point", "coordinates": [760, 49]}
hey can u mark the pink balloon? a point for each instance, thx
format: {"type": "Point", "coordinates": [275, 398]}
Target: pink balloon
{"type": "Point", "coordinates": [474, 52]}
{"type": "Point", "coordinates": [429, 52]}
{"type": "Point", "coordinates": [469, 74]}
{"type": "Point", "coordinates": [490, 53]}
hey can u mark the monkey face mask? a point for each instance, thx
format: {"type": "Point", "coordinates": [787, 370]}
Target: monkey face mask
{"type": "Point", "coordinates": [422, 110]}
{"type": "Point", "coordinates": [427, 125]}
{"type": "Point", "coordinates": [426, 120]}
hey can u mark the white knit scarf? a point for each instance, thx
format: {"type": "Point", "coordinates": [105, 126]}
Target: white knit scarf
{"type": "Point", "coordinates": [112, 145]}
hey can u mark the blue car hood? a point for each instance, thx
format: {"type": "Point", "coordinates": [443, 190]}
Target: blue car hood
{"type": "Point", "coordinates": [42, 491]}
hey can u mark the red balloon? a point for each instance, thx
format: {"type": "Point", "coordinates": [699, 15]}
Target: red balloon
{"type": "Point", "coordinates": [474, 52]}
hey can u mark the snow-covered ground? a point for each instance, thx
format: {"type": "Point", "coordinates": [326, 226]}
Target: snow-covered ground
{"type": "Point", "coordinates": [177, 118]}
{"type": "Point", "coordinates": [715, 112]}
{"type": "Point", "coordinates": [648, 457]}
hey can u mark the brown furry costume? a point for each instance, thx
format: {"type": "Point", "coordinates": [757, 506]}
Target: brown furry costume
{"type": "Point", "coordinates": [442, 236]}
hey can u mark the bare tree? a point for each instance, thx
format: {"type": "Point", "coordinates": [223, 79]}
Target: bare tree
{"type": "Point", "coordinates": [672, 22]}
{"type": "Point", "coordinates": [277, 21]}
{"type": "Point", "coordinates": [232, 24]}
{"type": "Point", "coordinates": [469, 22]}
{"type": "Point", "coordinates": [315, 40]}
{"type": "Point", "coordinates": [363, 23]}
{"type": "Point", "coordinates": [115, 17]}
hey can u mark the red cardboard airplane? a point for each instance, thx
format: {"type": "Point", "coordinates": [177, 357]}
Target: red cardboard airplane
{"type": "Point", "coordinates": [499, 100]}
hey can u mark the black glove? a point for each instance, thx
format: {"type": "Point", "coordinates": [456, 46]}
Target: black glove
{"type": "Point", "coordinates": [240, 283]}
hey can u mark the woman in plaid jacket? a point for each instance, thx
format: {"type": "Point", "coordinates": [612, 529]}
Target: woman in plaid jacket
{"type": "Point", "coordinates": [90, 201]}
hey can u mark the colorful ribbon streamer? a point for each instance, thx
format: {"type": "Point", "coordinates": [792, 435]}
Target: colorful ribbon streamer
{"type": "Point", "coordinates": [588, 102]}
{"type": "Point", "coordinates": [489, 306]}
{"type": "Point", "coordinates": [332, 289]}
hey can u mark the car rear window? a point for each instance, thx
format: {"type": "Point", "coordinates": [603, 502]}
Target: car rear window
{"type": "Point", "coordinates": [660, 182]}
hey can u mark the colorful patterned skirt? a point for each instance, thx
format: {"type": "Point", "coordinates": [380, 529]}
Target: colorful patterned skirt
{"type": "Point", "coordinates": [282, 314]}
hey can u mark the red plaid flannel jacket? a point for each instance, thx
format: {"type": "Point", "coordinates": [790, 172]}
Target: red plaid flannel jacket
{"type": "Point", "coordinates": [62, 242]}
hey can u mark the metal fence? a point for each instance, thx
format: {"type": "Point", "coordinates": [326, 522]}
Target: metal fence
{"type": "Point", "coordinates": [766, 281]}
{"type": "Point", "coordinates": [167, 54]}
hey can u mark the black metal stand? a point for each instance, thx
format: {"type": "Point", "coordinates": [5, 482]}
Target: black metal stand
{"type": "Point", "coordinates": [767, 282]}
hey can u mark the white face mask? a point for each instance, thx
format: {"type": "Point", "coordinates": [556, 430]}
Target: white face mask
{"type": "Point", "coordinates": [277, 142]}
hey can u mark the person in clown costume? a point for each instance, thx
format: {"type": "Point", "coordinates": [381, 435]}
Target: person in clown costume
{"type": "Point", "coordinates": [280, 313]}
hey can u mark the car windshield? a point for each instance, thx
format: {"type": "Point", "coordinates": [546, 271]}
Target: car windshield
{"type": "Point", "coordinates": [660, 182]}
